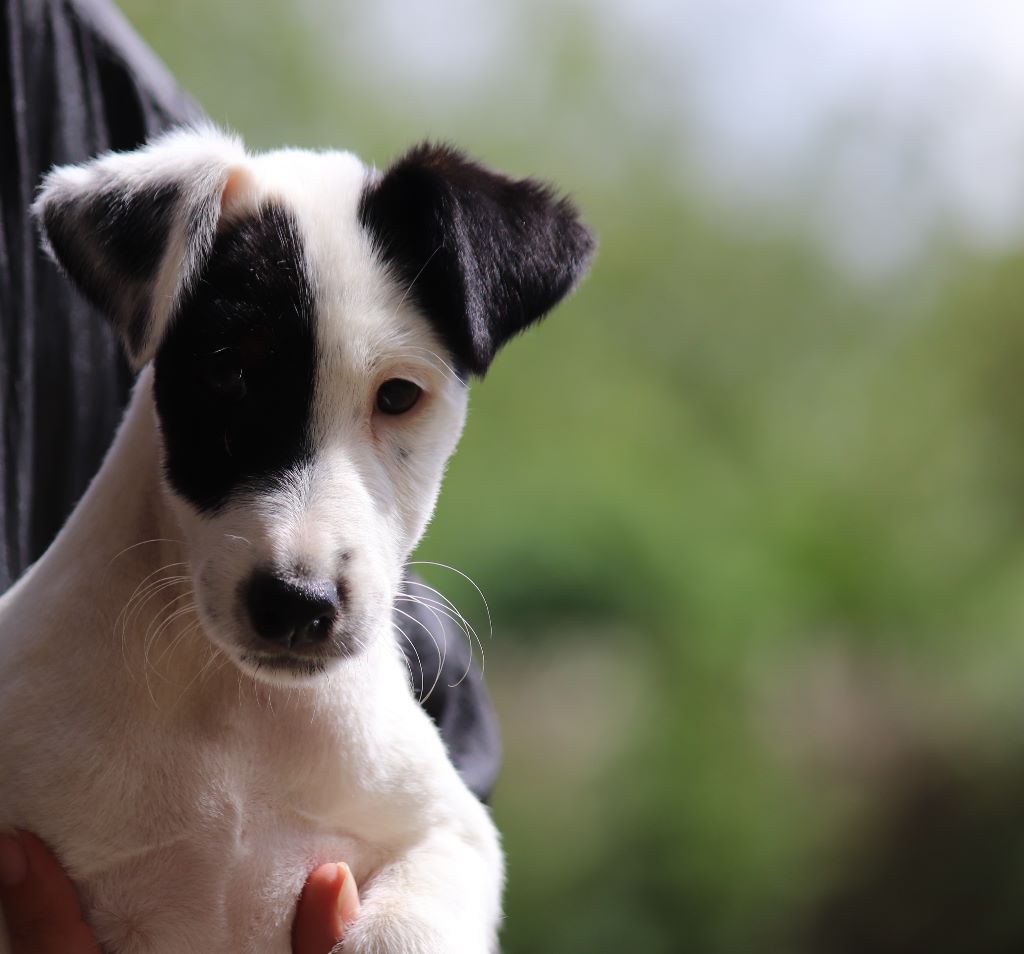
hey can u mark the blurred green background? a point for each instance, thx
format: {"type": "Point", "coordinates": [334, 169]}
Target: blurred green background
{"type": "Point", "coordinates": [748, 509]}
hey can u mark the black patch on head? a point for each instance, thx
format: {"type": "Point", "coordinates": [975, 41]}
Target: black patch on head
{"type": "Point", "coordinates": [483, 255]}
{"type": "Point", "coordinates": [235, 375]}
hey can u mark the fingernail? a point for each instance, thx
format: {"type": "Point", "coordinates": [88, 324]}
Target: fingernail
{"type": "Point", "coordinates": [13, 863]}
{"type": "Point", "coordinates": [348, 896]}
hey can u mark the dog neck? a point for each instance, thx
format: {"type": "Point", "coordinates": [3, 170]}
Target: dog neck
{"type": "Point", "coordinates": [121, 525]}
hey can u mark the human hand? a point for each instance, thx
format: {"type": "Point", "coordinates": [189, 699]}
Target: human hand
{"type": "Point", "coordinates": [44, 916]}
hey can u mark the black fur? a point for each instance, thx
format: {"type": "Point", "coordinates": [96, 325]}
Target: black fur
{"type": "Point", "coordinates": [236, 373]}
{"type": "Point", "coordinates": [484, 256]}
{"type": "Point", "coordinates": [111, 244]}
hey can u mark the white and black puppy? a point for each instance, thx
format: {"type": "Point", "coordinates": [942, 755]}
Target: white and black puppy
{"type": "Point", "coordinates": [305, 328]}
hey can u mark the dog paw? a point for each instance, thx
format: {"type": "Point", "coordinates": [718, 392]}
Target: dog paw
{"type": "Point", "coordinates": [394, 929]}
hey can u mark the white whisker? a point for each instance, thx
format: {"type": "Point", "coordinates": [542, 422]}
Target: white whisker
{"type": "Point", "coordinates": [449, 608]}
{"type": "Point", "coordinates": [461, 620]}
{"type": "Point", "coordinates": [435, 608]}
{"type": "Point", "coordinates": [419, 661]}
{"type": "Point", "coordinates": [143, 543]}
{"type": "Point", "coordinates": [468, 579]}
{"type": "Point", "coordinates": [213, 654]}
{"type": "Point", "coordinates": [439, 363]}
{"type": "Point", "coordinates": [442, 654]}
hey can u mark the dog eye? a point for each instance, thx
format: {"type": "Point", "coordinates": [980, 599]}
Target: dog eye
{"type": "Point", "coordinates": [222, 374]}
{"type": "Point", "coordinates": [397, 396]}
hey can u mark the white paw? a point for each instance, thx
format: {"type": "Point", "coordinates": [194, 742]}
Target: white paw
{"type": "Point", "coordinates": [402, 929]}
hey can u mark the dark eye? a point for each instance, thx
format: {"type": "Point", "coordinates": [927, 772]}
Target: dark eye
{"type": "Point", "coordinates": [397, 396]}
{"type": "Point", "coordinates": [223, 376]}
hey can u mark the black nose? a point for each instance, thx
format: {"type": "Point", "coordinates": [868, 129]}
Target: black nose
{"type": "Point", "coordinates": [289, 613]}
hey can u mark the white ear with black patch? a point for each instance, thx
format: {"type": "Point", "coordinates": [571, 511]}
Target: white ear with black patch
{"type": "Point", "coordinates": [132, 229]}
{"type": "Point", "coordinates": [483, 255]}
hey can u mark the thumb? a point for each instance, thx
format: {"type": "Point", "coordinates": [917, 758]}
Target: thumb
{"type": "Point", "coordinates": [39, 902]}
{"type": "Point", "coordinates": [328, 903]}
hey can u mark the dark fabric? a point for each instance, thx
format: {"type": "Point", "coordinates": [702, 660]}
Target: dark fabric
{"type": "Point", "coordinates": [75, 80]}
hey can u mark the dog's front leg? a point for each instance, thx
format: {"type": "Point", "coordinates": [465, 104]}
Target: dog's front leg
{"type": "Point", "coordinates": [442, 895]}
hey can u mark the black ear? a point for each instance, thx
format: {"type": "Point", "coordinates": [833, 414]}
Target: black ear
{"type": "Point", "coordinates": [132, 229]}
{"type": "Point", "coordinates": [483, 255]}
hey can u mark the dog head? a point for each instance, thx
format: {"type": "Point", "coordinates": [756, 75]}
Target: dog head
{"type": "Point", "coordinates": [312, 325]}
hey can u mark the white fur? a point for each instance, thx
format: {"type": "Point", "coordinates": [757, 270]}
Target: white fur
{"type": "Point", "coordinates": [188, 795]}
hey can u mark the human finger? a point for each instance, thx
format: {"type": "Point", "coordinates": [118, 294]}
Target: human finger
{"type": "Point", "coordinates": [39, 902]}
{"type": "Point", "coordinates": [329, 901]}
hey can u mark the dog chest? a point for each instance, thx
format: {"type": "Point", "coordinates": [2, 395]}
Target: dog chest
{"type": "Point", "coordinates": [181, 828]}
{"type": "Point", "coordinates": [228, 884]}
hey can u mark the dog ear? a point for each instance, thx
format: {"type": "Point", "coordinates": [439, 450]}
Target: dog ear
{"type": "Point", "coordinates": [133, 229]}
{"type": "Point", "coordinates": [483, 255]}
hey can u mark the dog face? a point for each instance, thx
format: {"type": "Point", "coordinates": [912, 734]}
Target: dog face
{"type": "Point", "coordinates": [312, 324]}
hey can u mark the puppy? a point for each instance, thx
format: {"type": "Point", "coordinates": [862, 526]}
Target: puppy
{"type": "Point", "coordinates": [201, 692]}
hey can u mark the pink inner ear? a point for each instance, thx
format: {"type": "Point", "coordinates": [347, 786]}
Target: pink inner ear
{"type": "Point", "coordinates": [236, 192]}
